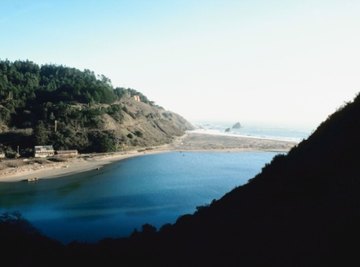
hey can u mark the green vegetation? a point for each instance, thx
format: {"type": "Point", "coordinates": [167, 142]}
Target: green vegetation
{"type": "Point", "coordinates": [58, 105]}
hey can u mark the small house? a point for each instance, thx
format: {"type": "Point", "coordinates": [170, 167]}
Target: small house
{"type": "Point", "coordinates": [67, 153]}
{"type": "Point", "coordinates": [43, 151]}
{"type": "Point", "coordinates": [137, 98]}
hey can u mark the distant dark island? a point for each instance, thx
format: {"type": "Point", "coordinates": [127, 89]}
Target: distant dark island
{"type": "Point", "coordinates": [76, 110]}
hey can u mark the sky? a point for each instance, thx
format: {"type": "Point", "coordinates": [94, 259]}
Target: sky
{"type": "Point", "coordinates": [279, 62]}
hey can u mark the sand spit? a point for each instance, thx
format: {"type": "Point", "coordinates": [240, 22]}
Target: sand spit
{"type": "Point", "coordinates": [37, 169]}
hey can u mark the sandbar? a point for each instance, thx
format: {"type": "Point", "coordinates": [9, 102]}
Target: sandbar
{"type": "Point", "coordinates": [13, 170]}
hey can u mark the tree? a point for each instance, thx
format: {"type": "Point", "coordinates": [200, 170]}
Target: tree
{"type": "Point", "coordinates": [103, 141]}
{"type": "Point", "coordinates": [4, 115]}
{"type": "Point", "coordinates": [41, 134]}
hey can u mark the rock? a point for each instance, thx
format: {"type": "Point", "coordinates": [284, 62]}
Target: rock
{"type": "Point", "coordinates": [237, 125]}
{"type": "Point", "coordinates": [227, 130]}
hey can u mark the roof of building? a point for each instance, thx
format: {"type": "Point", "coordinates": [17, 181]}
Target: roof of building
{"type": "Point", "coordinates": [66, 151]}
{"type": "Point", "coordinates": [48, 147]}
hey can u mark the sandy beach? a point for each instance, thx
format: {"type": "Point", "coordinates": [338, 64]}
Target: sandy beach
{"type": "Point", "coordinates": [23, 169]}
{"type": "Point", "coordinates": [210, 142]}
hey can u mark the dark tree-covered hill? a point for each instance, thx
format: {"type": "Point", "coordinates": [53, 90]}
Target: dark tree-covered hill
{"type": "Point", "coordinates": [73, 109]}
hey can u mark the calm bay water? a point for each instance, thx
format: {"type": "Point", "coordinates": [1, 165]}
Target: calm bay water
{"type": "Point", "coordinates": [120, 197]}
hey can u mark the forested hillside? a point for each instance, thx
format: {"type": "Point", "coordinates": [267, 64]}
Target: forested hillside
{"type": "Point", "coordinates": [73, 109]}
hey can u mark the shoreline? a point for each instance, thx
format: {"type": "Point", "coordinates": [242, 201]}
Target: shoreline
{"type": "Point", "coordinates": [37, 169]}
{"type": "Point", "coordinates": [215, 133]}
{"type": "Point", "coordinates": [68, 167]}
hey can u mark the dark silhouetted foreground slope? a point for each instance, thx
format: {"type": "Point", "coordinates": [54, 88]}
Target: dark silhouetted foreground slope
{"type": "Point", "coordinates": [303, 209]}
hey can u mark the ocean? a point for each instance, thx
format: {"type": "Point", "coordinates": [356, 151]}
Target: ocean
{"type": "Point", "coordinates": [275, 132]}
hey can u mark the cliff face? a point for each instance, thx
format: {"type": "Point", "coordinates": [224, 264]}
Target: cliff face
{"type": "Point", "coordinates": [143, 124]}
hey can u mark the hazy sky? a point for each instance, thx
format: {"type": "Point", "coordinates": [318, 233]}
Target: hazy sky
{"type": "Point", "coordinates": [281, 62]}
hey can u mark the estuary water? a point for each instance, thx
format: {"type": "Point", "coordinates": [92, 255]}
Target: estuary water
{"type": "Point", "coordinates": [122, 196]}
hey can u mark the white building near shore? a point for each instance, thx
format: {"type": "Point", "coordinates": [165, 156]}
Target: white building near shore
{"type": "Point", "coordinates": [43, 151]}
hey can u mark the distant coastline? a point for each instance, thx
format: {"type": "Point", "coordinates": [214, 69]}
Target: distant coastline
{"type": "Point", "coordinates": [253, 130]}
{"type": "Point", "coordinates": [236, 135]}
{"type": "Point", "coordinates": [24, 169]}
